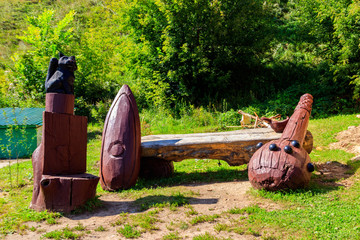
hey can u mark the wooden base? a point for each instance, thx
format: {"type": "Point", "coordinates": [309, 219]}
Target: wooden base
{"type": "Point", "coordinates": [64, 193]}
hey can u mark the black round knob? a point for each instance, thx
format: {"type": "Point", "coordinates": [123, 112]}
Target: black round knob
{"type": "Point", "coordinates": [272, 147]}
{"type": "Point", "coordinates": [259, 145]}
{"type": "Point", "coordinates": [295, 143]}
{"type": "Point", "coordinates": [310, 167]}
{"type": "Point", "coordinates": [288, 149]}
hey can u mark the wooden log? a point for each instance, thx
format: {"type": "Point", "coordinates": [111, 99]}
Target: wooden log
{"type": "Point", "coordinates": [234, 147]}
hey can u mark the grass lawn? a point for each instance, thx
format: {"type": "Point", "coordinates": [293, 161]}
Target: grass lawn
{"type": "Point", "coordinates": [323, 211]}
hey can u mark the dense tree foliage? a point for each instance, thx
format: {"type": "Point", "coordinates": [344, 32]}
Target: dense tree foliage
{"type": "Point", "coordinates": [201, 51]}
{"type": "Point", "coordinates": [181, 52]}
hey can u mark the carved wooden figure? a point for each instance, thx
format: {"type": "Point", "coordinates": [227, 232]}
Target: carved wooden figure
{"type": "Point", "coordinates": [59, 163]}
{"type": "Point", "coordinates": [121, 142]}
{"type": "Point", "coordinates": [284, 163]}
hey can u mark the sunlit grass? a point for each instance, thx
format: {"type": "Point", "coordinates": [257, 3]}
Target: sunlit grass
{"type": "Point", "coordinates": [318, 212]}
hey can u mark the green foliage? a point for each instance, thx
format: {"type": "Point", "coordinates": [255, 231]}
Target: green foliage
{"type": "Point", "coordinates": [29, 69]}
{"type": "Point", "coordinates": [254, 54]}
{"type": "Point", "coordinates": [201, 51]}
{"type": "Point", "coordinates": [230, 118]}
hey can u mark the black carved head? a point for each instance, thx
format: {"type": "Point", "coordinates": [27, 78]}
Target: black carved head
{"type": "Point", "coordinates": [67, 62]}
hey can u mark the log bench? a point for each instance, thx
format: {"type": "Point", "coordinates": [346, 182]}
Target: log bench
{"type": "Point", "coordinates": [158, 152]}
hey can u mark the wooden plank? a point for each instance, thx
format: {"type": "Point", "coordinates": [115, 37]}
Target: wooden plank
{"type": "Point", "coordinates": [234, 147]}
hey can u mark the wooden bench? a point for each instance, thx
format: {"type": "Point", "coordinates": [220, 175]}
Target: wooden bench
{"type": "Point", "coordinates": [235, 147]}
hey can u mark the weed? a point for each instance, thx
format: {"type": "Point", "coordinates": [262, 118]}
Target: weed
{"type": "Point", "coordinates": [235, 210]}
{"type": "Point", "coordinates": [238, 230]}
{"type": "Point", "coordinates": [221, 227]}
{"type": "Point", "coordinates": [184, 225]}
{"type": "Point", "coordinates": [146, 221]}
{"type": "Point", "coordinates": [65, 233]}
{"type": "Point", "coordinates": [79, 227]}
{"type": "Point", "coordinates": [51, 221]}
{"type": "Point", "coordinates": [100, 229]}
{"type": "Point", "coordinates": [252, 232]}
{"type": "Point", "coordinates": [204, 218]}
{"type": "Point", "coordinates": [170, 226]}
{"type": "Point", "coordinates": [89, 206]}
{"type": "Point", "coordinates": [206, 236]}
{"type": "Point", "coordinates": [191, 212]}
{"type": "Point", "coordinates": [160, 201]}
{"type": "Point", "coordinates": [269, 238]}
{"type": "Point", "coordinates": [172, 236]}
{"type": "Point", "coordinates": [129, 231]}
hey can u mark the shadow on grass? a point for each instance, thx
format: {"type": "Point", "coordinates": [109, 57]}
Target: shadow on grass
{"type": "Point", "coordinates": [93, 134]}
{"type": "Point", "coordinates": [184, 178]}
{"type": "Point", "coordinates": [329, 177]}
{"type": "Point", "coordinates": [331, 174]}
{"type": "Point", "coordinates": [112, 208]}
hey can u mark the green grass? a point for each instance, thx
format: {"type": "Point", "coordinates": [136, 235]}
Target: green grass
{"type": "Point", "coordinates": [133, 226]}
{"type": "Point", "coordinates": [322, 211]}
{"type": "Point", "coordinates": [324, 130]}
{"type": "Point", "coordinates": [172, 236]}
{"type": "Point", "coordinates": [204, 218]}
{"type": "Point", "coordinates": [208, 236]}
{"type": "Point", "coordinates": [65, 233]}
{"type": "Point", "coordinates": [100, 229]}
{"type": "Point", "coordinates": [129, 231]}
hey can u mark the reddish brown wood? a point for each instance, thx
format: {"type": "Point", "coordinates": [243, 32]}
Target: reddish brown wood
{"type": "Point", "coordinates": [66, 192]}
{"type": "Point", "coordinates": [59, 103]}
{"type": "Point", "coordinates": [62, 152]}
{"type": "Point", "coordinates": [156, 168]}
{"type": "Point", "coordinates": [121, 140]}
{"type": "Point", "coordinates": [65, 139]}
{"type": "Point", "coordinates": [277, 126]}
{"type": "Point", "coordinates": [276, 169]}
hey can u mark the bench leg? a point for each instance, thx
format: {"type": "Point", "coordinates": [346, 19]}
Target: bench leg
{"type": "Point", "coordinates": [155, 168]}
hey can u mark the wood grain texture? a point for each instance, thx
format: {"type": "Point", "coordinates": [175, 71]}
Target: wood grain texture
{"type": "Point", "coordinates": [64, 140]}
{"type": "Point", "coordinates": [281, 164]}
{"type": "Point", "coordinates": [120, 150]}
{"type": "Point", "coordinates": [234, 147]}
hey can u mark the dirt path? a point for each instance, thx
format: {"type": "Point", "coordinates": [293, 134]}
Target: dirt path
{"type": "Point", "coordinates": [209, 199]}
{"type": "Point", "coordinates": [5, 163]}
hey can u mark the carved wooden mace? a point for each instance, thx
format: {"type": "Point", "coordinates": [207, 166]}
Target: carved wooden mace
{"type": "Point", "coordinates": [284, 163]}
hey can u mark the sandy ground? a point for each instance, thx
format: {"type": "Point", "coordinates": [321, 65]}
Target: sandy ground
{"type": "Point", "coordinates": [214, 198]}
{"type": "Point", "coordinates": [4, 163]}
{"type": "Point", "coordinates": [348, 140]}
{"type": "Point", "coordinates": [209, 199]}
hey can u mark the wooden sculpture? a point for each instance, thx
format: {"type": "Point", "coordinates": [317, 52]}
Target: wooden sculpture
{"type": "Point", "coordinates": [121, 142]}
{"type": "Point", "coordinates": [277, 126]}
{"type": "Point", "coordinates": [59, 163]}
{"type": "Point", "coordinates": [284, 163]}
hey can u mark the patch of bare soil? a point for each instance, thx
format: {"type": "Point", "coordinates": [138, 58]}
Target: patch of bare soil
{"type": "Point", "coordinates": [5, 163]}
{"type": "Point", "coordinates": [333, 174]}
{"type": "Point", "coordinates": [348, 140]}
{"type": "Point", "coordinates": [209, 199]}
{"type": "Point", "coordinates": [214, 198]}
